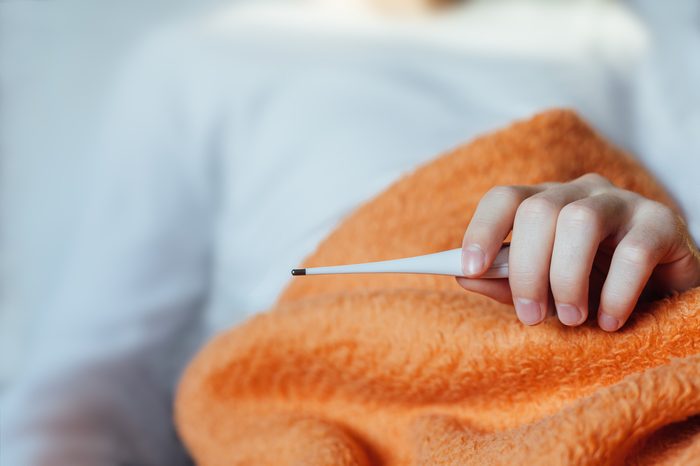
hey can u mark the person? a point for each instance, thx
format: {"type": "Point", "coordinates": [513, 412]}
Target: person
{"type": "Point", "coordinates": [236, 142]}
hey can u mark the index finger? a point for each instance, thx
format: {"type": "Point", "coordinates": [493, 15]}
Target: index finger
{"type": "Point", "coordinates": [491, 223]}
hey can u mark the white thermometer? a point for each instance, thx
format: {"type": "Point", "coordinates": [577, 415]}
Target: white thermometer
{"type": "Point", "coordinates": [439, 263]}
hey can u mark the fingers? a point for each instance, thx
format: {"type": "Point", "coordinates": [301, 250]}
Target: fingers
{"type": "Point", "coordinates": [497, 289]}
{"type": "Point", "coordinates": [531, 249]}
{"type": "Point", "coordinates": [640, 250]}
{"type": "Point", "coordinates": [490, 225]}
{"type": "Point", "coordinates": [581, 226]}
{"type": "Point", "coordinates": [560, 233]}
{"type": "Point", "coordinates": [680, 269]}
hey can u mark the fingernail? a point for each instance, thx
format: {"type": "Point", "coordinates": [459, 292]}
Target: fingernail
{"type": "Point", "coordinates": [608, 322]}
{"type": "Point", "coordinates": [474, 259]}
{"type": "Point", "coordinates": [529, 312]}
{"type": "Point", "coordinates": [569, 315]}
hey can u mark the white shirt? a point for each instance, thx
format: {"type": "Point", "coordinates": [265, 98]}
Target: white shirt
{"type": "Point", "coordinates": [237, 142]}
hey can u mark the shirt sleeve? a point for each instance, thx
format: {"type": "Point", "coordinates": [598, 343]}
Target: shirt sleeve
{"type": "Point", "coordinates": [97, 387]}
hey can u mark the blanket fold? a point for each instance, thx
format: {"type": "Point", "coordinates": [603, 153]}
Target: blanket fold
{"type": "Point", "coordinates": [411, 369]}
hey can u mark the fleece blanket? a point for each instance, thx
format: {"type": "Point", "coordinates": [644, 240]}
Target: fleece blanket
{"type": "Point", "coordinates": [412, 369]}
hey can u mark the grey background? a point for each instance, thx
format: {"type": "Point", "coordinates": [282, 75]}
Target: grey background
{"type": "Point", "coordinates": [57, 60]}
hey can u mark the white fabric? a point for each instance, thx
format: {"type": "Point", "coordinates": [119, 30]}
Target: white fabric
{"type": "Point", "coordinates": [236, 143]}
{"type": "Point", "coordinates": [57, 64]}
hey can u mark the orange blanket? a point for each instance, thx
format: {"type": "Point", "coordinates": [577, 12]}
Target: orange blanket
{"type": "Point", "coordinates": [411, 369]}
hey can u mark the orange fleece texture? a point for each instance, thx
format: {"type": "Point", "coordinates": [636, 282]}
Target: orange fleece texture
{"type": "Point", "coordinates": [412, 369]}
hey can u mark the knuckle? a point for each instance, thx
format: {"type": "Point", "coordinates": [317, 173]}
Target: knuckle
{"type": "Point", "coordinates": [662, 220]}
{"type": "Point", "coordinates": [479, 227]}
{"type": "Point", "coordinates": [538, 206]}
{"type": "Point", "coordinates": [563, 281]}
{"type": "Point", "coordinates": [579, 214]}
{"type": "Point", "coordinates": [661, 213]}
{"type": "Point", "coordinates": [509, 193]}
{"type": "Point", "coordinates": [523, 281]}
{"type": "Point", "coordinates": [637, 254]}
{"type": "Point", "coordinates": [615, 303]}
{"type": "Point", "coordinates": [595, 178]}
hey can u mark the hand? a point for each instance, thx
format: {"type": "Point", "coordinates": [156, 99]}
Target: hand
{"type": "Point", "coordinates": [577, 246]}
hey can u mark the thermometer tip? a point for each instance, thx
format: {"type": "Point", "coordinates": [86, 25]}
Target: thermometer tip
{"type": "Point", "coordinates": [298, 271]}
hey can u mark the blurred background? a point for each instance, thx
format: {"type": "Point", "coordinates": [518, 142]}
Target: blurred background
{"type": "Point", "coordinates": [631, 68]}
{"type": "Point", "coordinates": [57, 63]}
{"type": "Point", "coordinates": [58, 59]}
